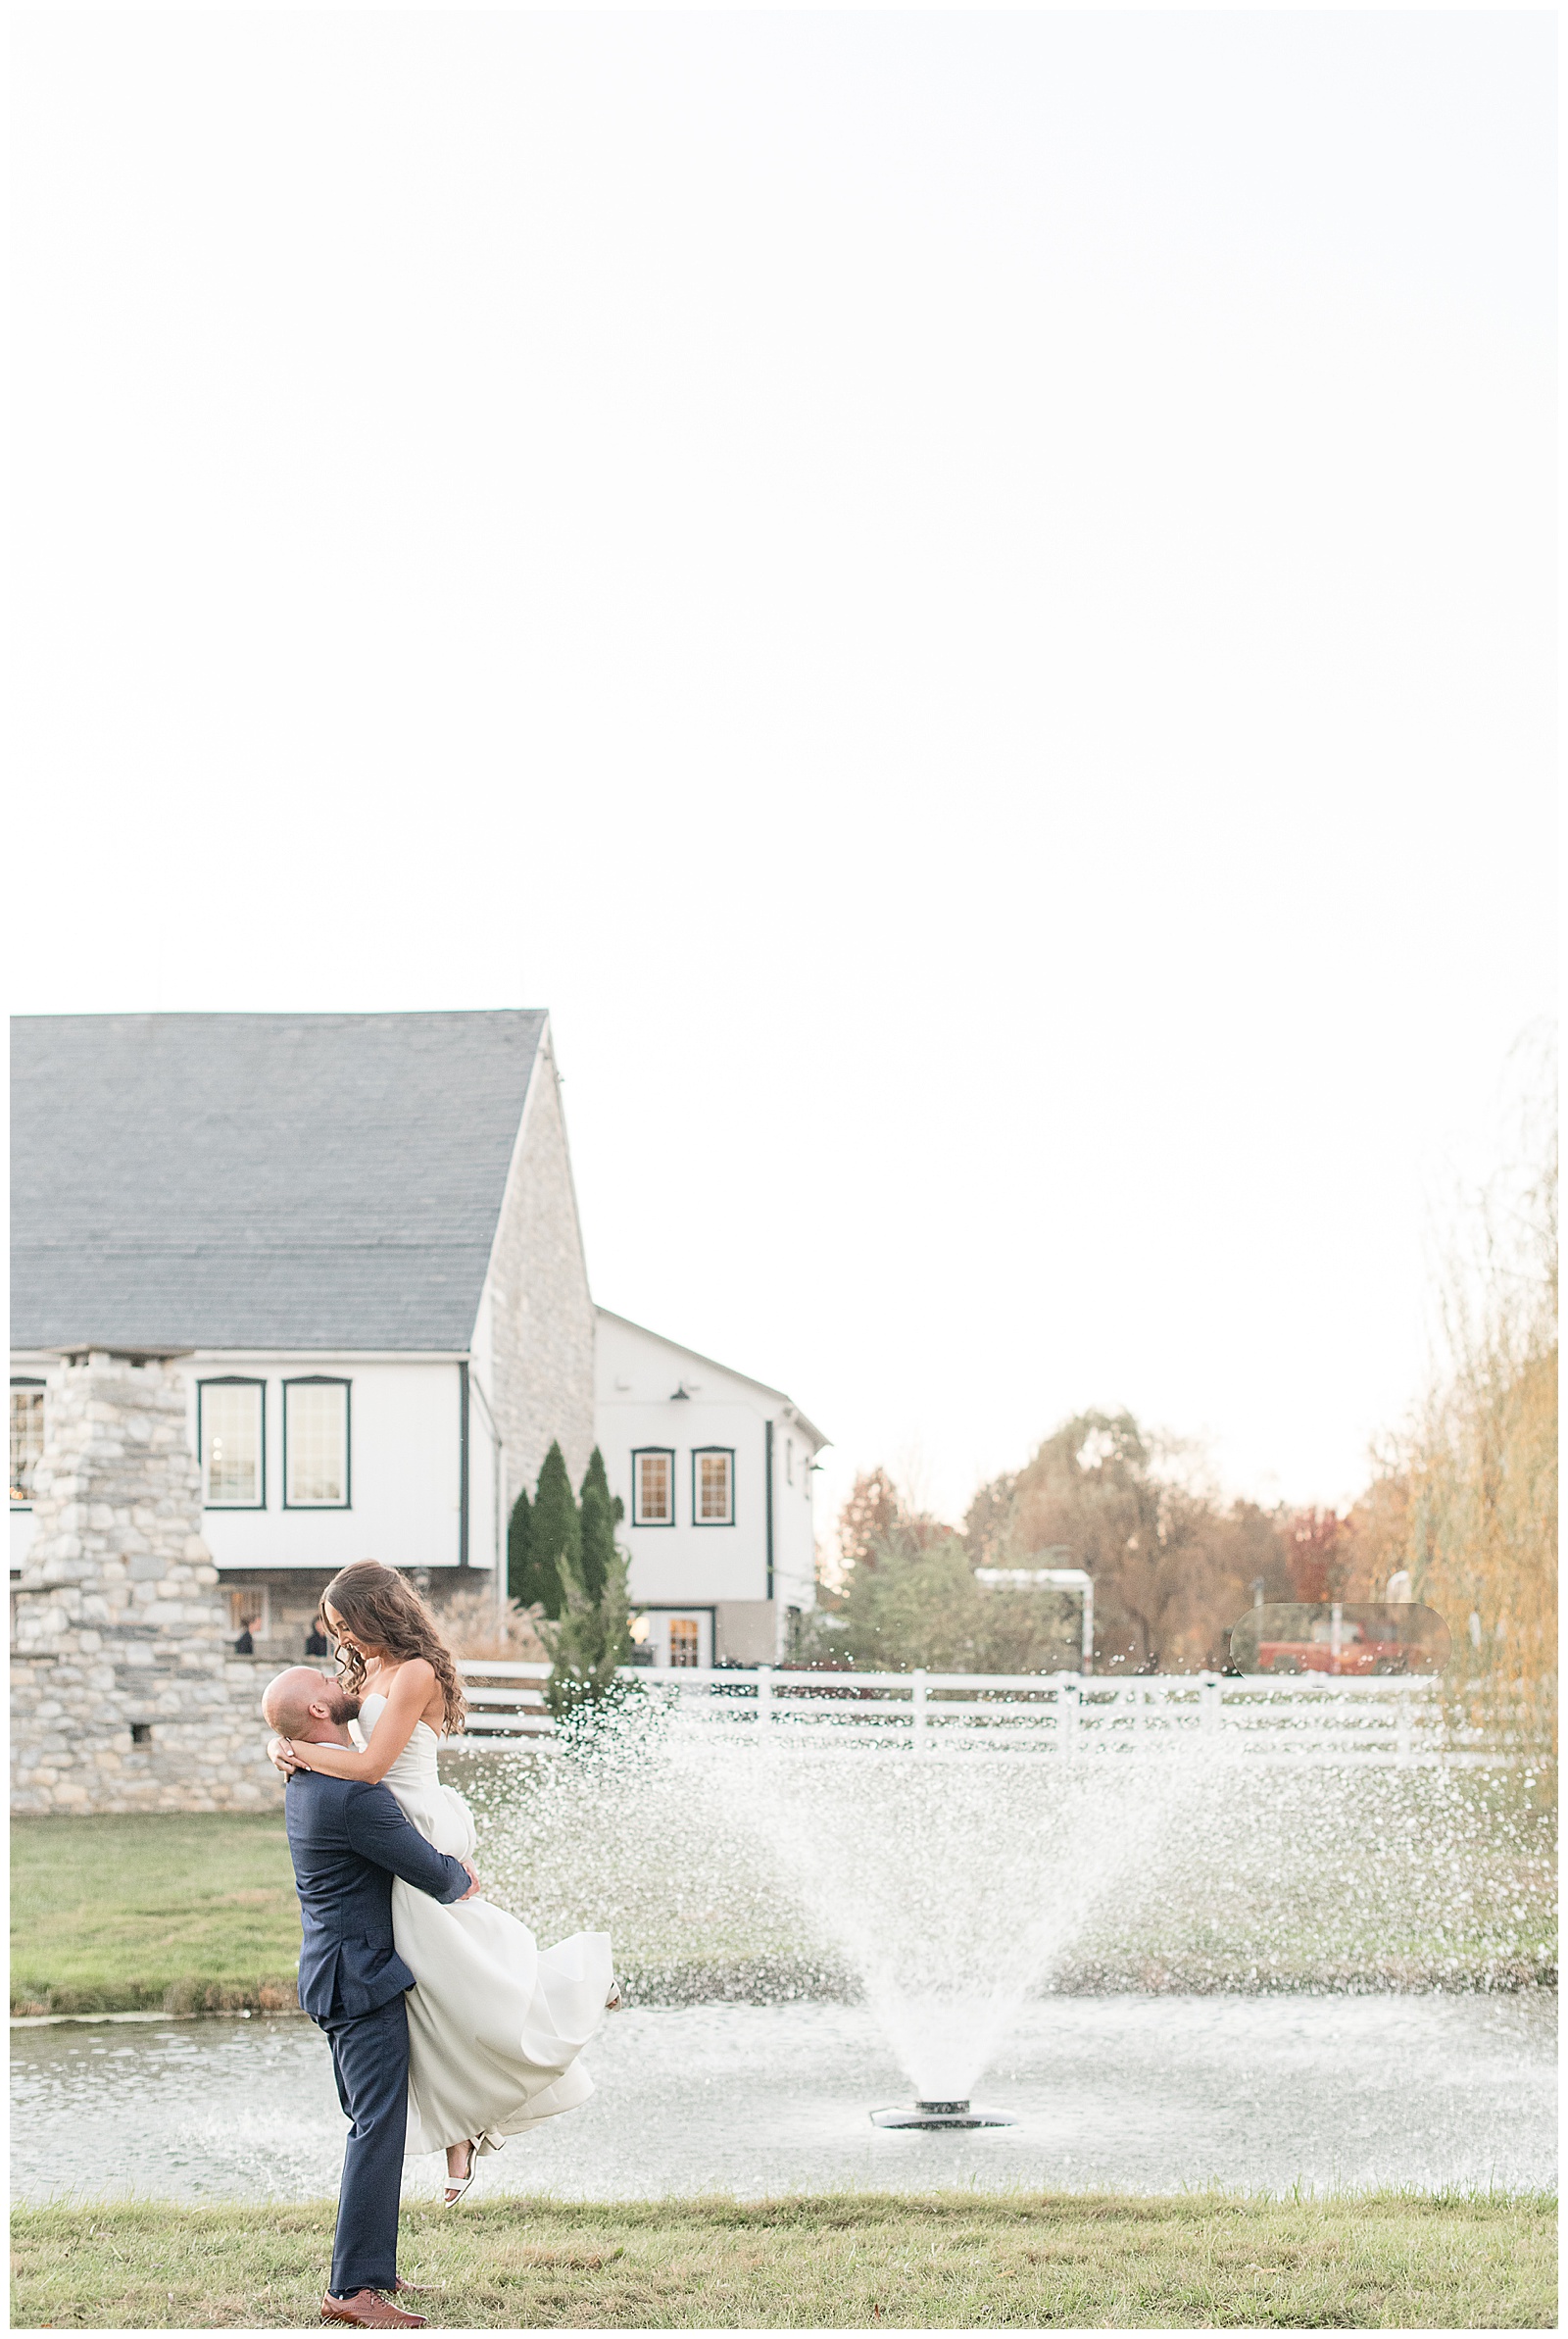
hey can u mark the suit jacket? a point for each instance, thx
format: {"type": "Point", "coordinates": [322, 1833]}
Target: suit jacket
{"type": "Point", "coordinates": [348, 1839]}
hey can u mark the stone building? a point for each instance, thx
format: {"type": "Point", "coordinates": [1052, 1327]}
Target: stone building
{"type": "Point", "coordinates": [125, 1693]}
{"type": "Point", "coordinates": [354, 1239]}
{"type": "Point", "coordinates": [345, 1252]}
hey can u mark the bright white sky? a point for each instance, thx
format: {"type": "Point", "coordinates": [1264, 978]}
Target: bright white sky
{"type": "Point", "coordinates": [965, 599]}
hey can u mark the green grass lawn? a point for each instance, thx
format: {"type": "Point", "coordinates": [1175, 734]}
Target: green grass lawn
{"type": "Point", "coordinates": [850, 2261]}
{"type": "Point", "coordinates": [160, 1910]}
{"type": "Point", "coordinates": [1444, 1883]}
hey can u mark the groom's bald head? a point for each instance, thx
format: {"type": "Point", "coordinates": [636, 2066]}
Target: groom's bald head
{"type": "Point", "coordinates": [302, 1704]}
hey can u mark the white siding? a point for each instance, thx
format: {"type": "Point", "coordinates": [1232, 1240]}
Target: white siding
{"type": "Point", "coordinates": [404, 1467]}
{"type": "Point", "coordinates": [404, 1480]}
{"type": "Point", "coordinates": [794, 1522]}
{"type": "Point", "coordinates": [637, 1373]}
{"type": "Point", "coordinates": [686, 1561]}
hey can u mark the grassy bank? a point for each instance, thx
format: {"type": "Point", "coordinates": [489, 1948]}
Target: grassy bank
{"type": "Point", "coordinates": [187, 1913]}
{"type": "Point", "coordinates": [951, 2259]}
{"type": "Point", "coordinates": [173, 1911]}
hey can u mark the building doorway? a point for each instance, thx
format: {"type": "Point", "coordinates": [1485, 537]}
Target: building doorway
{"type": "Point", "coordinates": [680, 1637]}
{"type": "Point", "coordinates": [248, 1602]}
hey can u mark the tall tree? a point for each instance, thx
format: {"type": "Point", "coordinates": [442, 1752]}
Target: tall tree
{"type": "Point", "coordinates": [870, 1517]}
{"type": "Point", "coordinates": [517, 1549]}
{"type": "Point", "coordinates": [876, 1518]}
{"type": "Point", "coordinates": [590, 1639]}
{"type": "Point", "coordinates": [601, 1515]}
{"type": "Point", "coordinates": [555, 1533]}
{"type": "Point", "coordinates": [1466, 1497]}
{"type": "Point", "coordinates": [1172, 1571]}
{"type": "Point", "coordinates": [918, 1604]}
{"type": "Point", "coordinates": [1319, 1554]}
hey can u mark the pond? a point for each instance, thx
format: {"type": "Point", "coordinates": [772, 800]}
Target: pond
{"type": "Point", "coordinates": [1141, 2094]}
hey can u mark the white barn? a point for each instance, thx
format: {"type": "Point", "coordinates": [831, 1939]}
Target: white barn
{"type": "Point", "coordinates": [358, 1236]}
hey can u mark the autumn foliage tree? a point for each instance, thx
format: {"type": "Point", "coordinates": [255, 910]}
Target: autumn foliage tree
{"type": "Point", "coordinates": [1466, 1497]}
{"type": "Point", "coordinates": [908, 1596]}
{"type": "Point", "coordinates": [1319, 1551]}
{"type": "Point", "coordinates": [1172, 1569]}
{"type": "Point", "coordinates": [876, 1516]}
{"type": "Point", "coordinates": [1463, 1501]}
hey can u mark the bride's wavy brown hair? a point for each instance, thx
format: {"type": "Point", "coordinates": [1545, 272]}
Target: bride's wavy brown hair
{"type": "Point", "coordinates": [383, 1609]}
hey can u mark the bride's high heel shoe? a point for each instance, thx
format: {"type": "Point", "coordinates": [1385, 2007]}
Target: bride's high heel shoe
{"type": "Point", "coordinates": [457, 2186]}
{"type": "Point", "coordinates": [617, 1995]}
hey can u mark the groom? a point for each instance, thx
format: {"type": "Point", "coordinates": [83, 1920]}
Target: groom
{"type": "Point", "coordinates": [348, 1839]}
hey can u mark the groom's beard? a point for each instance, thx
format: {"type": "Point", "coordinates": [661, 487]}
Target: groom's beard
{"type": "Point", "coordinates": [344, 1709]}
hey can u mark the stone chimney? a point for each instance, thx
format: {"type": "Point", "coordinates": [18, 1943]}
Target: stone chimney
{"type": "Point", "coordinates": [125, 1696]}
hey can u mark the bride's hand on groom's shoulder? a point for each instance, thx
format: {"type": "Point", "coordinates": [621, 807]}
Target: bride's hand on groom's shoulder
{"type": "Point", "coordinates": [280, 1752]}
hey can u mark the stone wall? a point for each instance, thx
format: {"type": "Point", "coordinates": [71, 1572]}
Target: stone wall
{"type": "Point", "coordinates": [126, 1694]}
{"type": "Point", "coordinates": [542, 1321]}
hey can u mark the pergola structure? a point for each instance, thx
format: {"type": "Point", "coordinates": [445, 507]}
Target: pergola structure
{"type": "Point", "coordinates": [1057, 1579]}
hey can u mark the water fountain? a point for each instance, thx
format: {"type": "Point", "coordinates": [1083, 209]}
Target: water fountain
{"type": "Point", "coordinates": [961, 2114]}
{"type": "Point", "coordinates": [943, 1892]}
{"type": "Point", "coordinates": [954, 1884]}
{"type": "Point", "coordinates": [1297, 1973]}
{"type": "Point", "coordinates": [952, 1891]}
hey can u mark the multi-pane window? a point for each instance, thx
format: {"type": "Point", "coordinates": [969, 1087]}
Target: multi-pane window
{"type": "Point", "coordinates": [713, 1487]}
{"type": "Point", "coordinates": [315, 1445]}
{"type": "Point", "coordinates": [652, 1481]}
{"type": "Point", "coordinates": [685, 1641]}
{"type": "Point", "coordinates": [26, 1436]}
{"type": "Point", "coordinates": [252, 1604]}
{"type": "Point", "coordinates": [231, 1429]}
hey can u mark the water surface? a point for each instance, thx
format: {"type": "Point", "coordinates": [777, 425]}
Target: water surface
{"type": "Point", "coordinates": [1141, 2094]}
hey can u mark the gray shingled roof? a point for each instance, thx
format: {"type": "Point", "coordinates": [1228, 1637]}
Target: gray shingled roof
{"type": "Point", "coordinates": [260, 1181]}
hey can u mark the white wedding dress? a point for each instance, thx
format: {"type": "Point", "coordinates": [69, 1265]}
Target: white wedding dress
{"type": "Point", "coordinates": [496, 2024]}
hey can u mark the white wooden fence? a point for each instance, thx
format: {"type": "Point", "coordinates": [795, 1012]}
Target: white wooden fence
{"type": "Point", "coordinates": [506, 1698]}
{"type": "Point", "coordinates": [1062, 1716]}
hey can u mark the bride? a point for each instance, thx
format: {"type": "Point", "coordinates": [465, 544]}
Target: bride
{"type": "Point", "coordinates": [496, 2024]}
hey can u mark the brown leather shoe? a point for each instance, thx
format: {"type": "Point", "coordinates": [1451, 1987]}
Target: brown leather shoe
{"type": "Point", "coordinates": [369, 2310]}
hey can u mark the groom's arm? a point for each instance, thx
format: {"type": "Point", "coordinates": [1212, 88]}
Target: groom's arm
{"type": "Point", "coordinates": [379, 1829]}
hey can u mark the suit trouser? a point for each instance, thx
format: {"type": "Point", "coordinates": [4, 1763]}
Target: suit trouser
{"type": "Point", "coordinates": [371, 2062]}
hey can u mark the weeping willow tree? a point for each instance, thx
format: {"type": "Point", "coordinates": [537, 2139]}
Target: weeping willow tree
{"type": "Point", "coordinates": [1468, 1502]}
{"type": "Point", "coordinates": [1484, 1482]}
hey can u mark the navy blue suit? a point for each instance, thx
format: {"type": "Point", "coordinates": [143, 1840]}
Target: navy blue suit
{"type": "Point", "coordinates": [348, 1840]}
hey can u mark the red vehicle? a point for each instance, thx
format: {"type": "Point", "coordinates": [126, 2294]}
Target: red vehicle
{"type": "Point", "coordinates": [1346, 1649]}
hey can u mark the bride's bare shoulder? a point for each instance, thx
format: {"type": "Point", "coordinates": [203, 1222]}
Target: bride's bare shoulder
{"type": "Point", "coordinates": [422, 1688]}
{"type": "Point", "coordinates": [417, 1672]}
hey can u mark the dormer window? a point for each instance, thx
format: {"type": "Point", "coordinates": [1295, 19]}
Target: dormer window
{"type": "Point", "coordinates": [653, 1487]}
{"type": "Point", "coordinates": [714, 1486]}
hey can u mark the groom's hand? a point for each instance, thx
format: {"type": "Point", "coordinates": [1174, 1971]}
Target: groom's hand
{"type": "Point", "coordinates": [474, 1887]}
